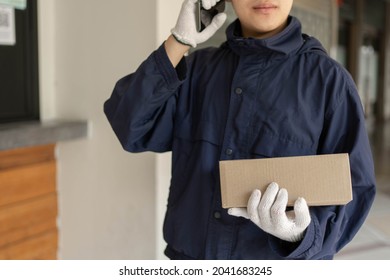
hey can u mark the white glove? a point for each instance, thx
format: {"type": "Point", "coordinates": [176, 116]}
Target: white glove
{"type": "Point", "coordinates": [185, 30]}
{"type": "Point", "coordinates": [208, 4]}
{"type": "Point", "coordinates": [269, 213]}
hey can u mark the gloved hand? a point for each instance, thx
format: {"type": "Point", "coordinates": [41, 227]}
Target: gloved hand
{"type": "Point", "coordinates": [269, 213]}
{"type": "Point", "coordinates": [208, 4]}
{"type": "Point", "coordinates": [185, 30]}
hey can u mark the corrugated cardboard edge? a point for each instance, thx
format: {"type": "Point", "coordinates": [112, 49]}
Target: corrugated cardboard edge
{"type": "Point", "coordinates": [226, 196]}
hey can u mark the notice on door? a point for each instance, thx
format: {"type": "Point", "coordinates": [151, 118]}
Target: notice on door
{"type": "Point", "coordinates": [17, 4]}
{"type": "Point", "coordinates": [7, 25]}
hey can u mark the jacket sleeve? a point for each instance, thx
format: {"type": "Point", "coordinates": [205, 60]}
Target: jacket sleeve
{"type": "Point", "coordinates": [332, 227]}
{"type": "Point", "coordinates": [142, 105]}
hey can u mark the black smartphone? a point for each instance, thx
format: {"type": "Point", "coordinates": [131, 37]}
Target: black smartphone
{"type": "Point", "coordinates": [218, 8]}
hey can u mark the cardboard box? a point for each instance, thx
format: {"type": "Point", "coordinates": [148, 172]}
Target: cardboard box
{"type": "Point", "coordinates": [320, 179]}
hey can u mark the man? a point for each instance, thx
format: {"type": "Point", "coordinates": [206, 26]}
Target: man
{"type": "Point", "coordinates": [268, 91]}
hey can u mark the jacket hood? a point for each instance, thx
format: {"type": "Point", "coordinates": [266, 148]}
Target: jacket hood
{"type": "Point", "coordinates": [290, 40]}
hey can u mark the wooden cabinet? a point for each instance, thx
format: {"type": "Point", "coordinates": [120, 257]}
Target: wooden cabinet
{"type": "Point", "coordinates": [28, 203]}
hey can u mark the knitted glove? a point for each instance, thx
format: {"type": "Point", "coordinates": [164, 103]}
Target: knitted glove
{"type": "Point", "coordinates": [206, 14]}
{"type": "Point", "coordinates": [185, 30]}
{"type": "Point", "coordinates": [269, 213]}
{"type": "Point", "coordinates": [208, 4]}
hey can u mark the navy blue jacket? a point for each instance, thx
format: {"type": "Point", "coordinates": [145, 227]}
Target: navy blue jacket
{"type": "Point", "coordinates": [249, 98]}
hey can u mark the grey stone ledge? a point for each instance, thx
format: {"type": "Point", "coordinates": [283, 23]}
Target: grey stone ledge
{"type": "Point", "coordinates": [36, 133]}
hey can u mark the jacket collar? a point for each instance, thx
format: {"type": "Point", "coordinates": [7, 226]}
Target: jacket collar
{"type": "Point", "coordinates": [284, 43]}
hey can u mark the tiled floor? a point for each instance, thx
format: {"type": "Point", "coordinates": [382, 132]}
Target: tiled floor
{"type": "Point", "coordinates": [373, 241]}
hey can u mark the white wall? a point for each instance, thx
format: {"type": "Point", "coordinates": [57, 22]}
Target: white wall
{"type": "Point", "coordinates": [47, 59]}
{"type": "Point", "coordinates": [106, 196]}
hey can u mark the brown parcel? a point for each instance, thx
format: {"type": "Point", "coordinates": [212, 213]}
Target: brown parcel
{"type": "Point", "coordinates": [320, 179]}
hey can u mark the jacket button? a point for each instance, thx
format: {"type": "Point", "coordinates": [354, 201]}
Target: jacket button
{"type": "Point", "coordinates": [217, 215]}
{"type": "Point", "coordinates": [238, 91]}
{"type": "Point", "coordinates": [229, 152]}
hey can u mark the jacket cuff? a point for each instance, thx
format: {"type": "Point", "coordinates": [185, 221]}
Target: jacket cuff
{"type": "Point", "coordinates": [173, 76]}
{"type": "Point", "coordinates": [296, 250]}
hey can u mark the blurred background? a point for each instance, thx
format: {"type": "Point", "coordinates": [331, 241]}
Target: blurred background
{"type": "Point", "coordinates": [68, 190]}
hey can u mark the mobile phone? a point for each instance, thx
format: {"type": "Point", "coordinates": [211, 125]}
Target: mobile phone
{"type": "Point", "coordinates": [218, 8]}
